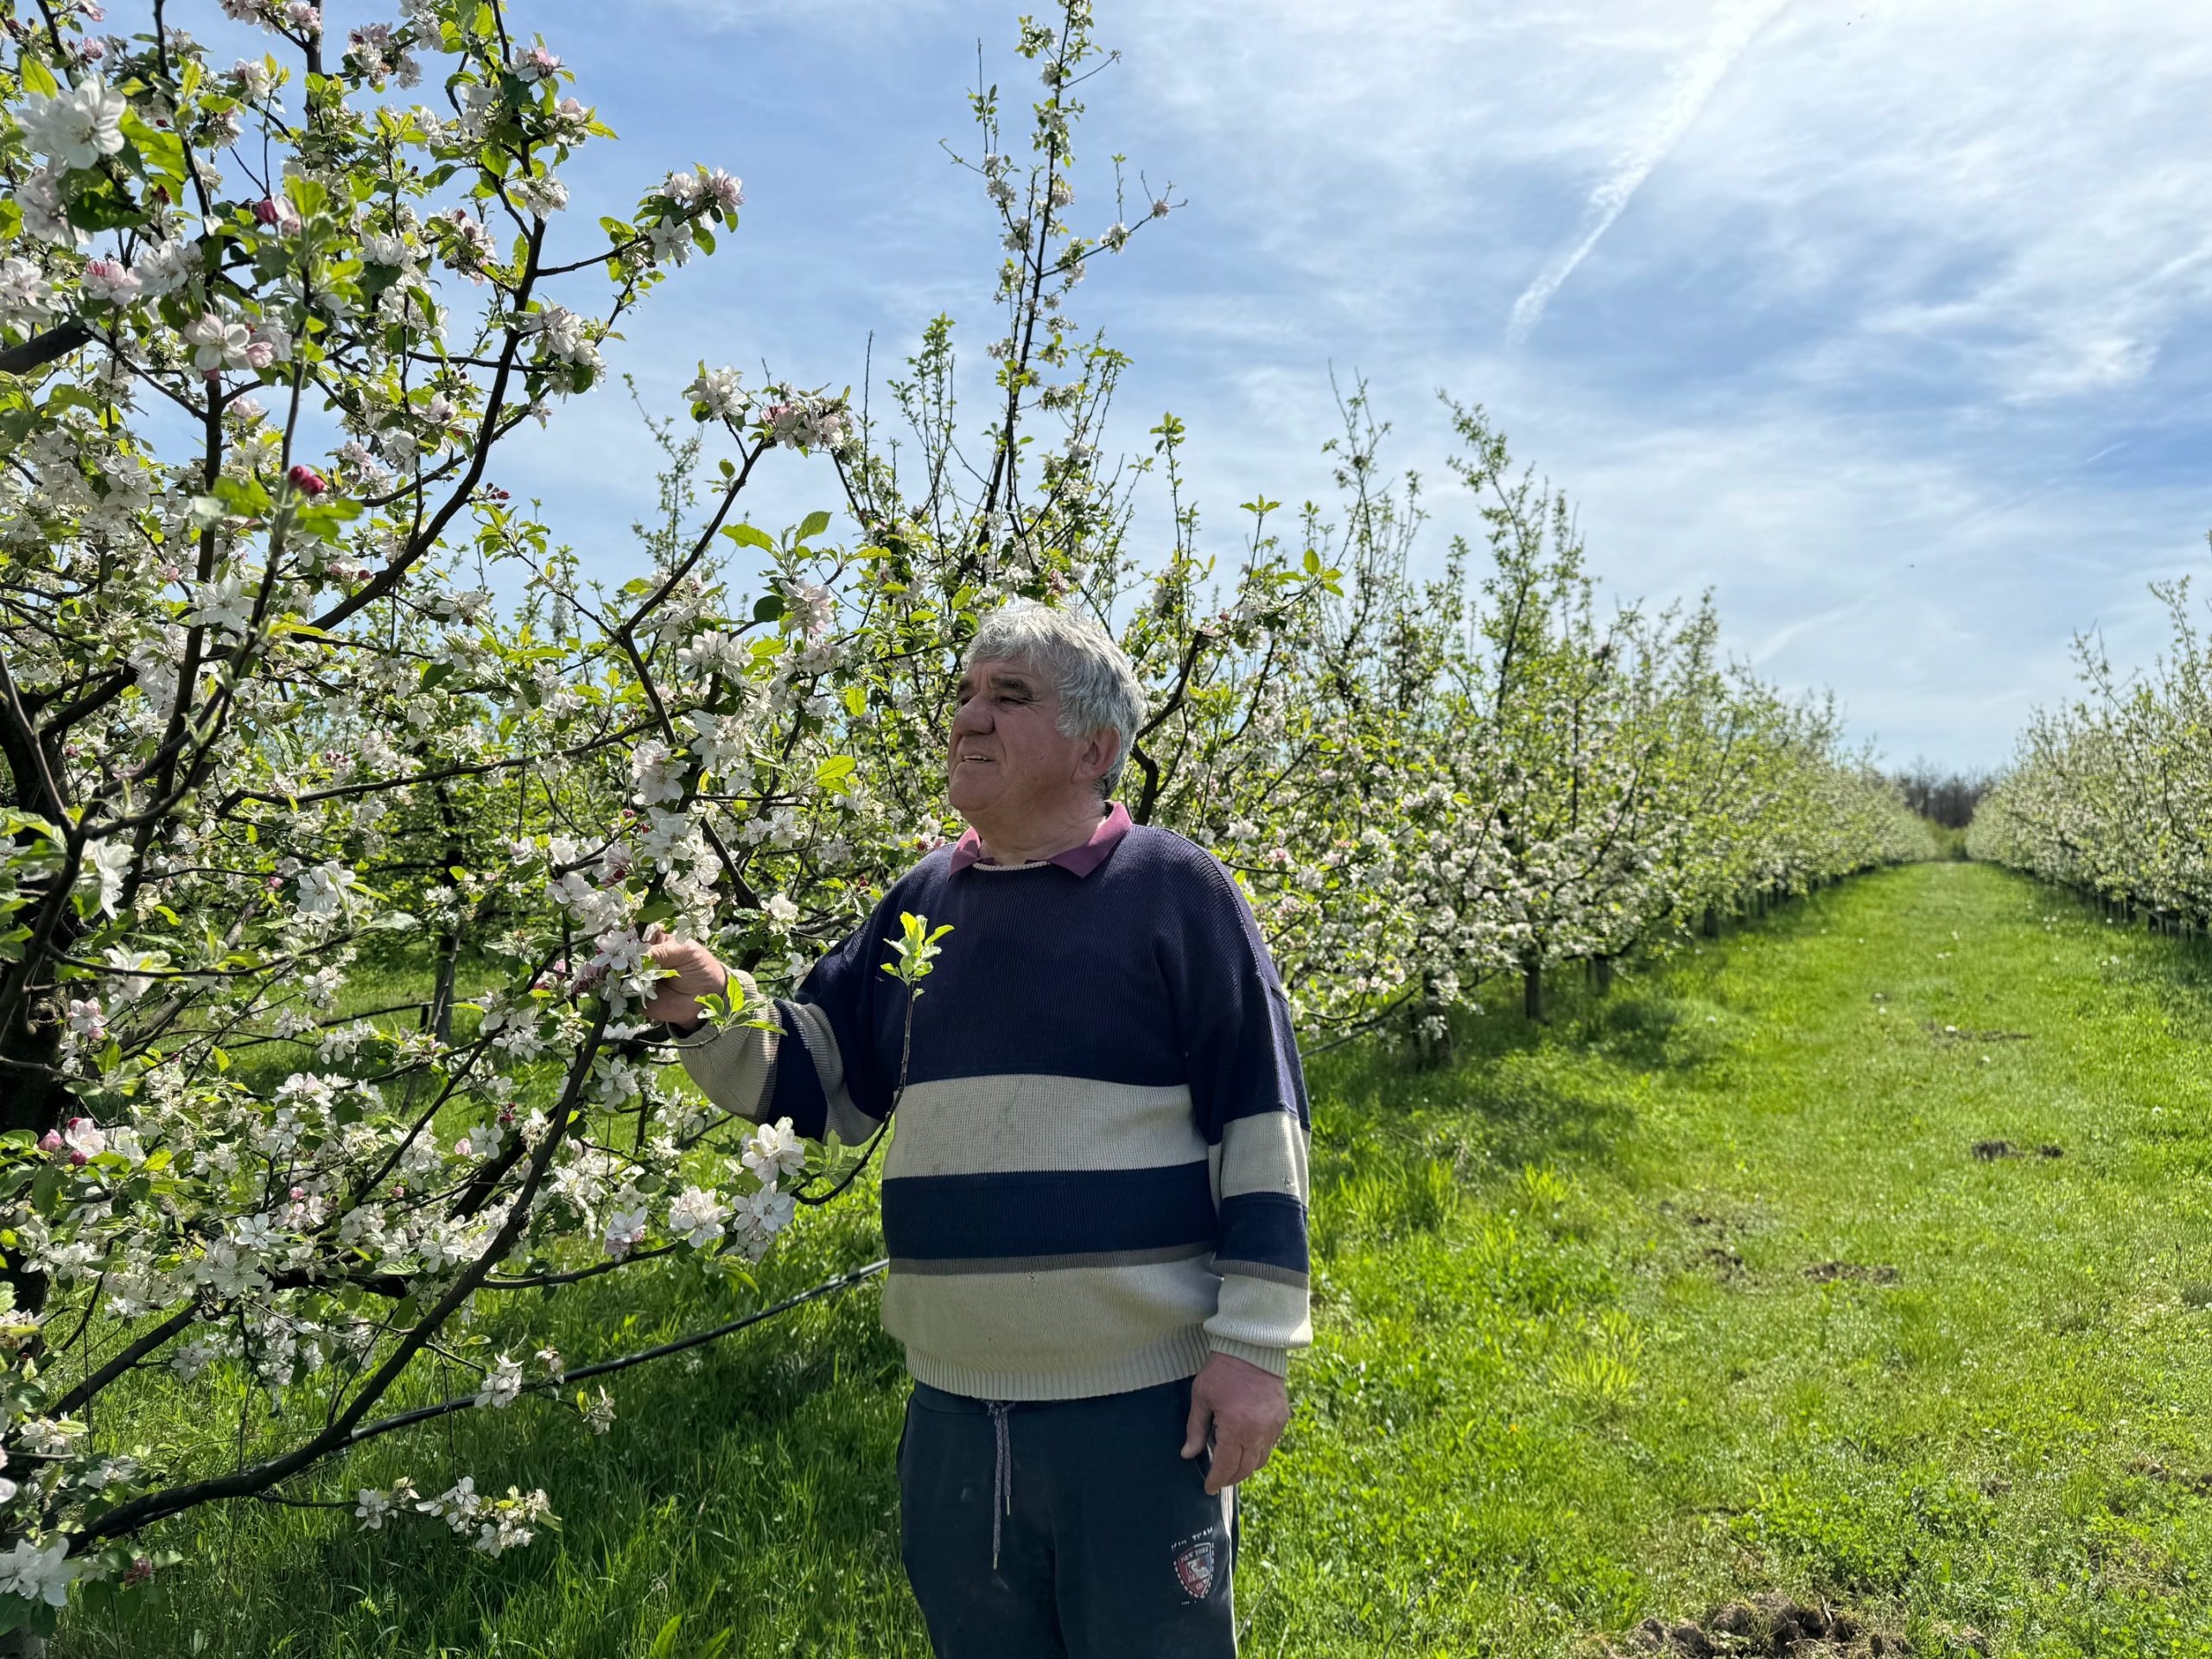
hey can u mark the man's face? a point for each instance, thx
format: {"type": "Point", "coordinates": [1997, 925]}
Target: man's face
{"type": "Point", "coordinates": [1008, 758]}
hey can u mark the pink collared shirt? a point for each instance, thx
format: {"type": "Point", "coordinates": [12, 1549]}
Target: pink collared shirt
{"type": "Point", "coordinates": [1082, 860]}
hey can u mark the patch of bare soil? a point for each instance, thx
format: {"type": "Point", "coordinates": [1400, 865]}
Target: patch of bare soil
{"type": "Point", "coordinates": [2189, 1480]}
{"type": "Point", "coordinates": [1723, 1259]}
{"type": "Point", "coordinates": [1989, 1152]}
{"type": "Point", "coordinates": [1943, 1033]}
{"type": "Point", "coordinates": [1827, 1273]}
{"type": "Point", "coordinates": [1774, 1625]}
{"type": "Point", "coordinates": [1718, 1254]}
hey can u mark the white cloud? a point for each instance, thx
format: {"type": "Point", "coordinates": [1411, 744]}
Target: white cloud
{"type": "Point", "coordinates": [1735, 26]}
{"type": "Point", "coordinates": [1903, 347]}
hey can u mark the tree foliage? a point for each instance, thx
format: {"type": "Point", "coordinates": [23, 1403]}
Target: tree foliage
{"type": "Point", "coordinates": [290, 687]}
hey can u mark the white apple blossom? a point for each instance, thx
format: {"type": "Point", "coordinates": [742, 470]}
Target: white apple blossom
{"type": "Point", "coordinates": [110, 862]}
{"type": "Point", "coordinates": [626, 1228]}
{"type": "Point", "coordinates": [773, 1151]}
{"type": "Point", "coordinates": [76, 127]}
{"type": "Point", "coordinates": [220, 345]}
{"type": "Point", "coordinates": [165, 267]}
{"type": "Point", "coordinates": [25, 295]}
{"type": "Point", "coordinates": [39, 1572]}
{"type": "Point", "coordinates": [599, 1416]}
{"type": "Point", "coordinates": [696, 1216]}
{"type": "Point", "coordinates": [540, 197]}
{"type": "Point", "coordinates": [322, 889]}
{"type": "Point", "coordinates": [657, 772]}
{"type": "Point", "coordinates": [502, 1384]}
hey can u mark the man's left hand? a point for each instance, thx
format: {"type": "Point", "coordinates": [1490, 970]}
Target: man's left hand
{"type": "Point", "coordinates": [1243, 1410]}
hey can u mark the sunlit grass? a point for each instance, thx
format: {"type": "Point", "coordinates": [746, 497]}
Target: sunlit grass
{"type": "Point", "coordinates": [1572, 1367]}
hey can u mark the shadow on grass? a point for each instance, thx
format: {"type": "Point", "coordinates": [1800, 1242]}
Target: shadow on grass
{"type": "Point", "coordinates": [1514, 1094]}
{"type": "Point", "coordinates": [2173, 967]}
{"type": "Point", "coordinates": [756, 1491]}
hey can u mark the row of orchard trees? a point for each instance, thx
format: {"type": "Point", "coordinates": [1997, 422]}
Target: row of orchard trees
{"type": "Point", "coordinates": [2107, 794]}
{"type": "Point", "coordinates": [290, 687]}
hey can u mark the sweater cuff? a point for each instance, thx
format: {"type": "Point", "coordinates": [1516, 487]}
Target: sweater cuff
{"type": "Point", "coordinates": [1273, 1361]}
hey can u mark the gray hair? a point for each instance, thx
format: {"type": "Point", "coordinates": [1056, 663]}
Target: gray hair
{"type": "Point", "coordinates": [1098, 689]}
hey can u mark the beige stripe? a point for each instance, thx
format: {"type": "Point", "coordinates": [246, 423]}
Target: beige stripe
{"type": "Point", "coordinates": [1018, 1121]}
{"type": "Point", "coordinates": [732, 1066]}
{"type": "Point", "coordinates": [1266, 1154]}
{"type": "Point", "coordinates": [1265, 1314]}
{"type": "Point", "coordinates": [1047, 1323]}
{"type": "Point", "coordinates": [1226, 1265]}
{"type": "Point", "coordinates": [967, 1264]}
{"type": "Point", "coordinates": [1182, 1352]}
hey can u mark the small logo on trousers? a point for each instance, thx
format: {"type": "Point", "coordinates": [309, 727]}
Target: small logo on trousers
{"type": "Point", "coordinates": [1194, 1569]}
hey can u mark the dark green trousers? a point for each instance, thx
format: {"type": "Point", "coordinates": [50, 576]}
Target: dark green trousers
{"type": "Point", "coordinates": [1064, 1529]}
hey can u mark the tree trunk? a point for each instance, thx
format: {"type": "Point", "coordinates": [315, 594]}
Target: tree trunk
{"type": "Point", "coordinates": [1602, 972]}
{"type": "Point", "coordinates": [1532, 991]}
{"type": "Point", "coordinates": [1712, 927]}
{"type": "Point", "coordinates": [1432, 1030]}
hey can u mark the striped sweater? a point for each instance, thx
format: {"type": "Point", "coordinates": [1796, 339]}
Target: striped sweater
{"type": "Point", "coordinates": [1097, 1177]}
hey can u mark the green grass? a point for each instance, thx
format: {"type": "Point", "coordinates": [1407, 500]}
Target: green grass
{"type": "Point", "coordinates": [1572, 1367]}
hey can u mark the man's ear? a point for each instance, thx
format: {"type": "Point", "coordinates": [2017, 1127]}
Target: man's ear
{"type": "Point", "coordinates": [1096, 757]}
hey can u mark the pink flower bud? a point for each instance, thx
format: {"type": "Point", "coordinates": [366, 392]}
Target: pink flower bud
{"type": "Point", "coordinates": [306, 481]}
{"type": "Point", "coordinates": [76, 1157]}
{"type": "Point", "coordinates": [50, 1142]}
{"type": "Point", "coordinates": [277, 212]}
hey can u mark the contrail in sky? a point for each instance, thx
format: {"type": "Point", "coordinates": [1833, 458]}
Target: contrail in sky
{"type": "Point", "coordinates": [1738, 25]}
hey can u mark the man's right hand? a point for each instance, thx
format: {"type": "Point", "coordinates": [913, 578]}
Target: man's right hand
{"type": "Point", "coordinates": [697, 974]}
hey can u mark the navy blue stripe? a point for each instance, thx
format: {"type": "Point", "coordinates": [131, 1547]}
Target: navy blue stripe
{"type": "Point", "coordinates": [1047, 1212]}
{"type": "Point", "coordinates": [1268, 1227]}
{"type": "Point", "coordinates": [798, 1093]}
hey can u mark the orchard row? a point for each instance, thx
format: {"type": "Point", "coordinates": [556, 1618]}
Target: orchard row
{"type": "Point", "coordinates": [2106, 795]}
{"type": "Point", "coordinates": [293, 691]}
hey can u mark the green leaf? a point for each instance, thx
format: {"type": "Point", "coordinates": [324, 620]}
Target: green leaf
{"type": "Point", "coordinates": [768, 608]}
{"type": "Point", "coordinates": [813, 525]}
{"type": "Point", "coordinates": [836, 773]}
{"type": "Point", "coordinates": [162, 151]}
{"type": "Point", "coordinates": [748, 535]}
{"type": "Point", "coordinates": [856, 700]}
{"type": "Point", "coordinates": [37, 76]}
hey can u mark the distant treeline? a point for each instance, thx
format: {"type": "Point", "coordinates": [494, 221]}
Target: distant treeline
{"type": "Point", "coordinates": [1948, 798]}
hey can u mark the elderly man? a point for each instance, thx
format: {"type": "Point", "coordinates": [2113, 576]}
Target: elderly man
{"type": "Point", "coordinates": [1095, 1199]}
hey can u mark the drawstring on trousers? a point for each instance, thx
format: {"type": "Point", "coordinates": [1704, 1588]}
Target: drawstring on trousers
{"type": "Point", "coordinates": [1002, 1473]}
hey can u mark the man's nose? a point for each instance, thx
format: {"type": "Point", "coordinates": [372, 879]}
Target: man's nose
{"type": "Point", "coordinates": [973, 716]}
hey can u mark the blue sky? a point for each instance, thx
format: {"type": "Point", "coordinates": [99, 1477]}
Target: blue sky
{"type": "Point", "coordinates": [1890, 322]}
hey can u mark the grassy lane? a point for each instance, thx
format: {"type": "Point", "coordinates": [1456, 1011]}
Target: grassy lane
{"type": "Point", "coordinates": [1700, 1292]}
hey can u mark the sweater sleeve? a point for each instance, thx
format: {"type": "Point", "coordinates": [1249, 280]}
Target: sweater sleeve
{"type": "Point", "coordinates": [818, 1066]}
{"type": "Point", "coordinates": [1248, 1090]}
